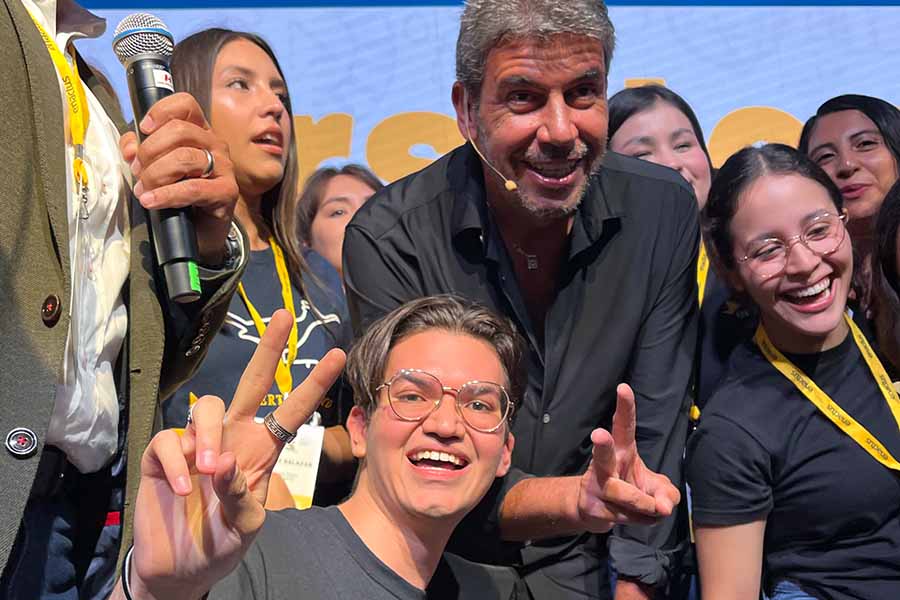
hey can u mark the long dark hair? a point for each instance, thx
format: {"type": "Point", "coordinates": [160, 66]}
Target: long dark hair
{"type": "Point", "coordinates": [311, 198]}
{"type": "Point", "coordinates": [630, 101]}
{"type": "Point", "coordinates": [192, 66]}
{"type": "Point", "coordinates": [737, 174]}
{"type": "Point", "coordinates": [884, 114]}
{"type": "Point", "coordinates": [886, 239]}
{"type": "Point", "coordinates": [885, 275]}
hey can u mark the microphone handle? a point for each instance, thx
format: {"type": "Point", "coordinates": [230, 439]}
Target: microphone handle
{"type": "Point", "coordinates": [174, 237]}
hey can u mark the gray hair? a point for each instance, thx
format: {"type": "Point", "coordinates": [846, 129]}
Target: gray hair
{"type": "Point", "coordinates": [485, 24]}
{"type": "Point", "coordinates": [369, 356]}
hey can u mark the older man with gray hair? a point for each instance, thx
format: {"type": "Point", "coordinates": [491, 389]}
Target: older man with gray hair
{"type": "Point", "coordinates": [593, 258]}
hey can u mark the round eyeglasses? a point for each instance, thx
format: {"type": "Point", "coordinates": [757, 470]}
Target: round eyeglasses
{"type": "Point", "coordinates": [414, 394]}
{"type": "Point", "coordinates": [822, 236]}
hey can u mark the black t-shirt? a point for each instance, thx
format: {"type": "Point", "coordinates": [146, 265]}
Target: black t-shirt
{"type": "Point", "coordinates": [725, 323]}
{"type": "Point", "coordinates": [763, 451]}
{"type": "Point", "coordinates": [315, 554]}
{"type": "Point", "coordinates": [232, 347]}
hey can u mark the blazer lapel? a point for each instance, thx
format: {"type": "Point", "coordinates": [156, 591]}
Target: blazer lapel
{"type": "Point", "coordinates": [50, 152]}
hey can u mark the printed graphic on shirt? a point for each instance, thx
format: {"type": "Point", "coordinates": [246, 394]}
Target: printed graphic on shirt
{"type": "Point", "coordinates": [308, 352]}
{"type": "Point", "coordinates": [322, 324]}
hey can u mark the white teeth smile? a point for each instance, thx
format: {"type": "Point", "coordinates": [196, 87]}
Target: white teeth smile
{"type": "Point", "coordinates": [812, 290]}
{"type": "Point", "coordinates": [555, 171]}
{"type": "Point", "coordinates": [437, 456]}
{"type": "Point", "coordinates": [268, 139]}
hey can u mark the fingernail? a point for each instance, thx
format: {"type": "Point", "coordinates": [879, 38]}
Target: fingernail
{"type": "Point", "coordinates": [208, 459]}
{"type": "Point", "coordinates": [147, 199]}
{"type": "Point", "coordinates": [135, 167]}
{"type": "Point", "coordinates": [183, 484]}
{"type": "Point", "coordinates": [147, 124]}
{"type": "Point", "coordinates": [139, 189]}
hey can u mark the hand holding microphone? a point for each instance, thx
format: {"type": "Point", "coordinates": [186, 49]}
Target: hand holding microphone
{"type": "Point", "coordinates": [183, 174]}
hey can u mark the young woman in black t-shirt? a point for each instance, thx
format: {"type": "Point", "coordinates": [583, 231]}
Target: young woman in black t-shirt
{"type": "Point", "coordinates": [236, 78]}
{"type": "Point", "coordinates": [792, 469]}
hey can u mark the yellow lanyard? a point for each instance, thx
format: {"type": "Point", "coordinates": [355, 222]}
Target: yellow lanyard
{"type": "Point", "coordinates": [283, 378]}
{"type": "Point", "coordinates": [829, 407]}
{"type": "Point", "coordinates": [702, 272]}
{"type": "Point", "coordinates": [76, 102]}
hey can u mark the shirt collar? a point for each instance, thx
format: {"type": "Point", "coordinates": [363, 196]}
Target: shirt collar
{"type": "Point", "coordinates": [470, 214]}
{"type": "Point", "coordinates": [66, 16]}
{"type": "Point", "coordinates": [71, 17]}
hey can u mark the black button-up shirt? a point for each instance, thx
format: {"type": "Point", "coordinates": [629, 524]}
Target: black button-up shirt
{"type": "Point", "coordinates": [625, 311]}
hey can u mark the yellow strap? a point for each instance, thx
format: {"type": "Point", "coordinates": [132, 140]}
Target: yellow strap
{"type": "Point", "coordinates": [702, 272]}
{"type": "Point", "coordinates": [76, 102]}
{"type": "Point", "coordinates": [829, 407]}
{"type": "Point", "coordinates": [283, 378]}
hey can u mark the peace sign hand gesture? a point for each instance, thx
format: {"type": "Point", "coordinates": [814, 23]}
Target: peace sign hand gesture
{"type": "Point", "coordinates": [201, 497]}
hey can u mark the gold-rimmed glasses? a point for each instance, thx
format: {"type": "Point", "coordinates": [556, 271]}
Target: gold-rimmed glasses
{"type": "Point", "coordinates": [821, 236]}
{"type": "Point", "coordinates": [414, 394]}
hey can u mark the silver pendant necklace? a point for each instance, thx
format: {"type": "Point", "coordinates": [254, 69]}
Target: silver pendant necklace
{"type": "Point", "coordinates": [531, 260]}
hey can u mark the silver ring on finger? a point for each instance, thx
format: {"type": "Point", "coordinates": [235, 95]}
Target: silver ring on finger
{"type": "Point", "coordinates": [210, 165]}
{"type": "Point", "coordinates": [277, 430]}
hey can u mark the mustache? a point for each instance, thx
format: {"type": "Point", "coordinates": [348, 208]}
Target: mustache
{"type": "Point", "coordinates": [576, 152]}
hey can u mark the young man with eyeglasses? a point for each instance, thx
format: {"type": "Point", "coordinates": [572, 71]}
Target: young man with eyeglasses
{"type": "Point", "coordinates": [435, 383]}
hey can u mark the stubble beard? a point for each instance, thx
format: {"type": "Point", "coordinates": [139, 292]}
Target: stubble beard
{"type": "Point", "coordinates": [540, 211]}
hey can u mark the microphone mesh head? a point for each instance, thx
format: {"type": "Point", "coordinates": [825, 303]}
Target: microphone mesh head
{"type": "Point", "coordinates": [142, 33]}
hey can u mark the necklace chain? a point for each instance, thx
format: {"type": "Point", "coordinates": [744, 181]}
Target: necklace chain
{"type": "Point", "coordinates": [531, 260]}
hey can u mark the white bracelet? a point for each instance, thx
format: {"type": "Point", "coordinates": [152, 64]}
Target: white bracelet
{"type": "Point", "coordinates": [126, 574]}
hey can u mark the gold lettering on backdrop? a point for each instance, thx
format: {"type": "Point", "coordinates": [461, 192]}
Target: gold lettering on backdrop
{"type": "Point", "coordinates": [633, 82]}
{"type": "Point", "coordinates": [320, 140]}
{"type": "Point", "coordinates": [751, 125]}
{"type": "Point", "coordinates": [390, 142]}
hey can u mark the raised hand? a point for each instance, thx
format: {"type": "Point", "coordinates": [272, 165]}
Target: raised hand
{"type": "Point", "coordinates": [617, 486]}
{"type": "Point", "coordinates": [201, 496]}
{"type": "Point", "coordinates": [170, 169]}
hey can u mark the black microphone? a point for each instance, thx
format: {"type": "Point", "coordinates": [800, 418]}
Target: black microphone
{"type": "Point", "coordinates": [144, 46]}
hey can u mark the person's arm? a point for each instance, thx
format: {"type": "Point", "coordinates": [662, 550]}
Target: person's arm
{"type": "Point", "coordinates": [201, 495]}
{"type": "Point", "coordinates": [616, 488]}
{"type": "Point", "coordinates": [730, 474]}
{"type": "Point", "coordinates": [167, 169]}
{"type": "Point", "coordinates": [661, 371]}
{"type": "Point", "coordinates": [378, 277]}
{"type": "Point", "coordinates": [730, 560]}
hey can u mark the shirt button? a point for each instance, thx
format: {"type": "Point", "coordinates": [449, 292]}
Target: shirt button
{"type": "Point", "coordinates": [546, 418]}
{"type": "Point", "coordinates": [50, 310]}
{"type": "Point", "coordinates": [21, 442]}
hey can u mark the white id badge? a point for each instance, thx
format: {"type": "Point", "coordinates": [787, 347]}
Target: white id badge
{"type": "Point", "coordinates": [298, 463]}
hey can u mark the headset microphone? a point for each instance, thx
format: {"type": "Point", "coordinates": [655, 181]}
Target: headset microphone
{"type": "Point", "coordinates": [509, 184]}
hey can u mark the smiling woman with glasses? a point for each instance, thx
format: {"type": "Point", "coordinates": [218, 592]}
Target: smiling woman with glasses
{"type": "Point", "coordinates": [768, 257]}
{"type": "Point", "coordinates": [792, 468]}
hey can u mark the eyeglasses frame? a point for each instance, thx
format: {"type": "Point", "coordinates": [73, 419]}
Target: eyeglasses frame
{"type": "Point", "coordinates": [510, 406]}
{"type": "Point", "coordinates": [792, 241]}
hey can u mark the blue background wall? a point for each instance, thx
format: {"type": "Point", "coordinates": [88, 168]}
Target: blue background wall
{"type": "Point", "coordinates": [373, 63]}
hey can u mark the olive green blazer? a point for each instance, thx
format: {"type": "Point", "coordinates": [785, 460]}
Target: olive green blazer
{"type": "Point", "coordinates": [165, 342]}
